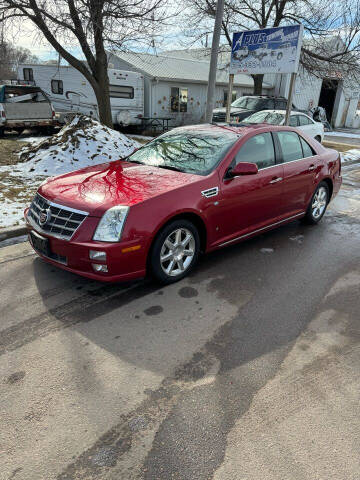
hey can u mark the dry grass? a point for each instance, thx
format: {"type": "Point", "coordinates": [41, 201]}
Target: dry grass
{"type": "Point", "coordinates": [8, 147]}
{"type": "Point", "coordinates": [340, 147]}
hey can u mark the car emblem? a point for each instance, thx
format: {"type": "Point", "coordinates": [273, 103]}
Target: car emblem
{"type": "Point", "coordinates": [44, 216]}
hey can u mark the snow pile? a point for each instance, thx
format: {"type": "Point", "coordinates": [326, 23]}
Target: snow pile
{"type": "Point", "coordinates": [81, 143]}
{"type": "Point", "coordinates": [343, 134]}
{"type": "Point", "coordinates": [352, 155]}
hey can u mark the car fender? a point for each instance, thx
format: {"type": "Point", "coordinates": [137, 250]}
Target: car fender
{"type": "Point", "coordinates": [177, 214]}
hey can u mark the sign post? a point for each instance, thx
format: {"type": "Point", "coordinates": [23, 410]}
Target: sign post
{"type": "Point", "coordinates": [229, 97]}
{"type": "Point", "coordinates": [269, 50]}
{"type": "Point", "coordinates": [290, 98]}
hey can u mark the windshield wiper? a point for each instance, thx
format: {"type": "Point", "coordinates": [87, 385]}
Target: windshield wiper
{"type": "Point", "coordinates": [134, 161]}
{"type": "Point", "coordinates": [170, 167]}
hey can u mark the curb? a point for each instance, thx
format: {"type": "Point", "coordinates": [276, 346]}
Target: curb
{"type": "Point", "coordinates": [12, 232]}
{"type": "Point", "coordinates": [350, 146]}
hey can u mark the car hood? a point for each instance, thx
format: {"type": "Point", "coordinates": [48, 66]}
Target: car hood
{"type": "Point", "coordinates": [97, 188]}
{"type": "Point", "coordinates": [232, 110]}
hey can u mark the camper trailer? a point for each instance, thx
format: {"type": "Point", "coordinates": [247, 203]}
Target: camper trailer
{"type": "Point", "coordinates": [70, 92]}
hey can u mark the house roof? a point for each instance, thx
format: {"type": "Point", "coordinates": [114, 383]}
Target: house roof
{"type": "Point", "coordinates": [182, 69]}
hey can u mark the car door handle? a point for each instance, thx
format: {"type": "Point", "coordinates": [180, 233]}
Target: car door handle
{"type": "Point", "coordinates": [276, 179]}
{"type": "Point", "coordinates": [312, 167]}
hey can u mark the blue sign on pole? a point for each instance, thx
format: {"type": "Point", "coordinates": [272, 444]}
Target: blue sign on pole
{"type": "Point", "coordinates": [270, 50]}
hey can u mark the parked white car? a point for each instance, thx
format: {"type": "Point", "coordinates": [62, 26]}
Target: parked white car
{"type": "Point", "coordinates": [261, 52]}
{"type": "Point", "coordinates": [241, 54]}
{"type": "Point", "coordinates": [297, 119]}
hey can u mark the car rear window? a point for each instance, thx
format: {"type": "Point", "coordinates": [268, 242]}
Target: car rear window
{"type": "Point", "coordinates": [304, 120]}
{"type": "Point", "coordinates": [307, 150]}
{"type": "Point", "coordinates": [272, 118]}
{"type": "Point", "coordinates": [258, 149]}
{"type": "Point", "coordinates": [23, 94]}
{"type": "Point", "coordinates": [290, 146]}
{"type": "Point", "coordinates": [190, 151]}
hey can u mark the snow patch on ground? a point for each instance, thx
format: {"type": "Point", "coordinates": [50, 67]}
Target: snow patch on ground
{"type": "Point", "coordinates": [11, 211]}
{"type": "Point", "coordinates": [350, 155]}
{"type": "Point", "coordinates": [342, 134]}
{"type": "Point", "coordinates": [266, 250]}
{"type": "Point", "coordinates": [82, 143]}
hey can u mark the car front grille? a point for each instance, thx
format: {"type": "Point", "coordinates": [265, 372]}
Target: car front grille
{"type": "Point", "coordinates": [62, 222]}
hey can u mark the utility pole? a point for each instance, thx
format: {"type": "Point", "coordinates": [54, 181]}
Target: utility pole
{"type": "Point", "coordinates": [210, 100]}
{"type": "Point", "coordinates": [290, 98]}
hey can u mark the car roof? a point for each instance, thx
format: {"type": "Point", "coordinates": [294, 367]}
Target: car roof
{"type": "Point", "coordinates": [283, 112]}
{"type": "Point", "coordinates": [239, 130]}
{"type": "Point", "coordinates": [263, 96]}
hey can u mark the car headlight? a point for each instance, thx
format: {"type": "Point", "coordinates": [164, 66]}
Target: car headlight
{"type": "Point", "coordinates": [111, 224]}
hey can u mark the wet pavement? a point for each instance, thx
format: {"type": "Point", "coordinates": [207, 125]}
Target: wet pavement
{"type": "Point", "coordinates": [247, 369]}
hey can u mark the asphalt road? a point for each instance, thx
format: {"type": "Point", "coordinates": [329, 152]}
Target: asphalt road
{"type": "Point", "coordinates": [247, 370]}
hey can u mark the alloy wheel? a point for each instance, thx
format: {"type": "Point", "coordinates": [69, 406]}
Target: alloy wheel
{"type": "Point", "coordinates": [177, 252]}
{"type": "Point", "coordinates": [319, 203]}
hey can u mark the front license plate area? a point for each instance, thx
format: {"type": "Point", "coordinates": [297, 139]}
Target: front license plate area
{"type": "Point", "coordinates": [41, 244]}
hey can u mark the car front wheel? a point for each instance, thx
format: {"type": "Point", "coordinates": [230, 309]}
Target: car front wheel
{"type": "Point", "coordinates": [318, 204]}
{"type": "Point", "coordinates": [175, 251]}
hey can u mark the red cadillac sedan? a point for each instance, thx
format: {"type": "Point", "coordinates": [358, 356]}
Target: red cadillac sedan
{"type": "Point", "coordinates": [193, 189]}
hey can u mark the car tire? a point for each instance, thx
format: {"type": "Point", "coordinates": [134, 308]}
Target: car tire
{"type": "Point", "coordinates": [170, 258]}
{"type": "Point", "coordinates": [318, 204]}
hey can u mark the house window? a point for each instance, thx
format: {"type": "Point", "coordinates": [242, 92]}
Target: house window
{"type": "Point", "coordinates": [121, 91]}
{"type": "Point", "coordinates": [226, 96]}
{"type": "Point", "coordinates": [178, 99]}
{"type": "Point", "coordinates": [28, 74]}
{"type": "Point", "coordinates": [57, 87]}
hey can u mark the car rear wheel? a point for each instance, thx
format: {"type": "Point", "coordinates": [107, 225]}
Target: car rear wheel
{"type": "Point", "coordinates": [318, 204]}
{"type": "Point", "coordinates": [175, 251]}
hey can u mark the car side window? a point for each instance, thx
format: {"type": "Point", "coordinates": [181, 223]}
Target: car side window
{"type": "Point", "coordinates": [304, 120]}
{"type": "Point", "coordinates": [258, 149]}
{"type": "Point", "coordinates": [269, 104]}
{"type": "Point", "coordinates": [290, 146]}
{"type": "Point", "coordinates": [307, 150]}
{"type": "Point", "coordinates": [280, 104]}
{"type": "Point", "coordinates": [294, 121]}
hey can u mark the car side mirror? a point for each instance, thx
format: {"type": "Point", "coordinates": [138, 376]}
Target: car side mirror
{"type": "Point", "coordinates": [243, 168]}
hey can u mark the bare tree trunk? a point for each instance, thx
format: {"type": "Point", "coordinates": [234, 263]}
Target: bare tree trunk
{"type": "Point", "coordinates": [258, 82]}
{"type": "Point", "coordinates": [102, 94]}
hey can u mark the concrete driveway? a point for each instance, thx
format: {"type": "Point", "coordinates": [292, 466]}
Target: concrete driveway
{"type": "Point", "coordinates": [249, 369]}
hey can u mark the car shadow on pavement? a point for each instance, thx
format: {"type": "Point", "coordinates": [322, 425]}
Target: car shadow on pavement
{"type": "Point", "coordinates": [224, 332]}
{"type": "Point", "coordinates": [156, 327]}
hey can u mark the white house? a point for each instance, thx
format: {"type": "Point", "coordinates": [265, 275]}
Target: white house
{"type": "Point", "coordinates": [176, 87]}
{"type": "Point", "coordinates": [331, 90]}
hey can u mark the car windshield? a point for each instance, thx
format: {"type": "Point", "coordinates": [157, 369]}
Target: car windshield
{"type": "Point", "coordinates": [249, 103]}
{"type": "Point", "coordinates": [196, 151]}
{"type": "Point", "coordinates": [273, 118]}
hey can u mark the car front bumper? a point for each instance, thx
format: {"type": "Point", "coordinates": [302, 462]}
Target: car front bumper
{"type": "Point", "coordinates": [124, 260]}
